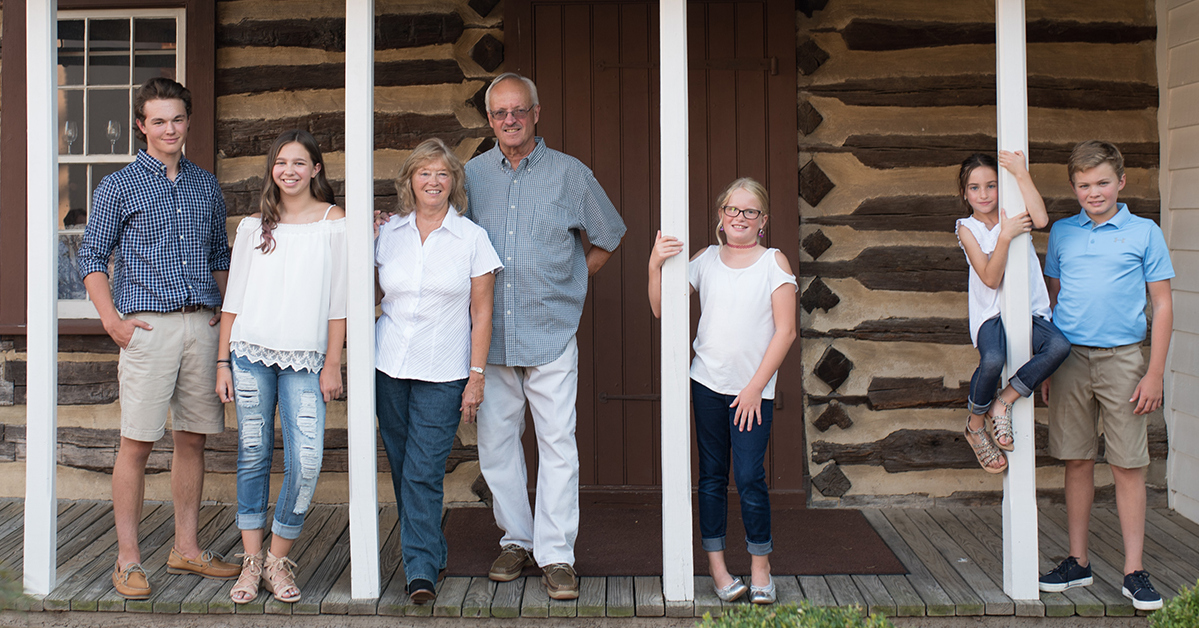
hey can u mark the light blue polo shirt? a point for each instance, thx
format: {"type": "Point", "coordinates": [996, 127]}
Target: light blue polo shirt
{"type": "Point", "coordinates": [1103, 270]}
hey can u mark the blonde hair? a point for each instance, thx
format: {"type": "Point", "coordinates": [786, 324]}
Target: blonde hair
{"type": "Point", "coordinates": [426, 153]}
{"type": "Point", "coordinates": [1093, 153]}
{"type": "Point", "coordinates": [749, 185]}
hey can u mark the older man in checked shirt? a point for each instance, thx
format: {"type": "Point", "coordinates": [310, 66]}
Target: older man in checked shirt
{"type": "Point", "coordinates": [162, 218]}
{"type": "Point", "coordinates": [536, 204]}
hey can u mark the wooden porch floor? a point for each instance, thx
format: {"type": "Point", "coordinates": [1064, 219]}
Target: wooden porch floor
{"type": "Point", "coordinates": [954, 557]}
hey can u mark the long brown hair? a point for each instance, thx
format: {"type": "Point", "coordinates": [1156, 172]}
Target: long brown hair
{"type": "Point", "coordinates": [427, 152]}
{"type": "Point", "coordinates": [268, 204]}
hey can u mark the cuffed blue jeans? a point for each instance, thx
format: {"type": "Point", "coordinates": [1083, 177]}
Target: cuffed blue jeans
{"type": "Point", "coordinates": [717, 435]}
{"type": "Point", "coordinates": [418, 421]}
{"type": "Point", "coordinates": [257, 389]}
{"type": "Point", "coordinates": [1049, 350]}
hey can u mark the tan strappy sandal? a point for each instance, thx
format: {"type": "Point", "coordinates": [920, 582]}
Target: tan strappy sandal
{"type": "Point", "coordinates": [279, 578]}
{"type": "Point", "coordinates": [248, 581]}
{"type": "Point", "coordinates": [985, 450]}
{"type": "Point", "coordinates": [1001, 425]}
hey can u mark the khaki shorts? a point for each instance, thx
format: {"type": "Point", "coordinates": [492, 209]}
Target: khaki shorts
{"type": "Point", "coordinates": [1089, 396]}
{"type": "Point", "coordinates": [171, 366]}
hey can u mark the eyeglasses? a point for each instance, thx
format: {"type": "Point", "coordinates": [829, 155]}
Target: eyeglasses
{"type": "Point", "coordinates": [733, 212]}
{"type": "Point", "coordinates": [519, 114]}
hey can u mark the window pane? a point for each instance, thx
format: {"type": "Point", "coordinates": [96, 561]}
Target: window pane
{"type": "Point", "coordinates": [70, 286]}
{"type": "Point", "coordinates": [108, 108]}
{"type": "Point", "coordinates": [157, 34]}
{"type": "Point", "coordinates": [70, 52]}
{"type": "Point", "coordinates": [72, 196]}
{"type": "Point", "coordinates": [99, 171]}
{"type": "Point", "coordinates": [107, 68]}
{"type": "Point", "coordinates": [153, 66]}
{"type": "Point", "coordinates": [70, 112]}
{"type": "Point", "coordinates": [109, 35]}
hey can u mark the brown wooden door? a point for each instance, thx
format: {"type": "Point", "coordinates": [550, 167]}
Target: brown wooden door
{"type": "Point", "coordinates": [595, 65]}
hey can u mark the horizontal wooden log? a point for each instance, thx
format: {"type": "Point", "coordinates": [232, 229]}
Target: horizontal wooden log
{"type": "Point", "coordinates": [255, 79]}
{"type": "Point", "coordinates": [903, 268]}
{"type": "Point", "coordinates": [71, 343]}
{"type": "Point", "coordinates": [70, 395]}
{"type": "Point", "coordinates": [329, 33]}
{"type": "Point", "coordinates": [934, 151]}
{"type": "Point", "coordinates": [69, 373]}
{"type": "Point", "coordinates": [920, 450]}
{"type": "Point", "coordinates": [401, 131]}
{"type": "Point", "coordinates": [879, 35]}
{"type": "Point", "coordinates": [940, 213]}
{"type": "Point", "coordinates": [888, 393]}
{"type": "Point", "coordinates": [944, 331]}
{"type": "Point", "coordinates": [978, 90]}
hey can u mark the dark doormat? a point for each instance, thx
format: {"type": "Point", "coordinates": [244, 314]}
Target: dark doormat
{"type": "Point", "coordinates": [621, 540]}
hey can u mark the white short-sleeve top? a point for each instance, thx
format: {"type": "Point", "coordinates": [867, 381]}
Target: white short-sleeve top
{"type": "Point", "coordinates": [736, 320]}
{"type": "Point", "coordinates": [984, 301]}
{"type": "Point", "coordinates": [424, 332]}
{"type": "Point", "coordinates": [285, 299]}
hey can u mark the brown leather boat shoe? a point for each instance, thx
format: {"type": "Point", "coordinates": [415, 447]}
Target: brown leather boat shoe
{"type": "Point", "coordinates": [208, 564]}
{"type": "Point", "coordinates": [131, 582]}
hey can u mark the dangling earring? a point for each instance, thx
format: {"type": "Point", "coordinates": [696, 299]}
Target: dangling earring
{"type": "Point", "coordinates": [761, 232]}
{"type": "Point", "coordinates": [720, 228]}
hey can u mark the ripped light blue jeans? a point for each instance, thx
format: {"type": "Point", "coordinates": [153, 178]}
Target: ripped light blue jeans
{"type": "Point", "coordinates": [257, 388]}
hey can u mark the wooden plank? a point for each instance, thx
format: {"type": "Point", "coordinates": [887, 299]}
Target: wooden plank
{"type": "Point", "coordinates": [450, 597]}
{"type": "Point", "coordinates": [101, 532]}
{"type": "Point", "coordinates": [314, 520]}
{"type": "Point", "coordinates": [89, 563]}
{"type": "Point", "coordinates": [536, 600]}
{"type": "Point", "coordinates": [12, 546]}
{"type": "Point", "coordinates": [565, 608]}
{"type": "Point", "coordinates": [937, 601]}
{"type": "Point", "coordinates": [325, 574]}
{"type": "Point", "coordinates": [212, 596]}
{"type": "Point", "coordinates": [817, 591]}
{"type": "Point", "coordinates": [164, 536]}
{"type": "Point", "coordinates": [878, 601]}
{"type": "Point", "coordinates": [648, 599]}
{"type": "Point", "coordinates": [1179, 520]}
{"type": "Point", "coordinates": [391, 565]}
{"type": "Point", "coordinates": [308, 553]}
{"type": "Point", "coordinates": [96, 578]}
{"type": "Point", "coordinates": [1164, 527]}
{"type": "Point", "coordinates": [995, 601]}
{"type": "Point", "coordinates": [966, 601]}
{"type": "Point", "coordinates": [394, 600]}
{"type": "Point", "coordinates": [337, 600]}
{"type": "Point", "coordinates": [788, 590]}
{"type": "Point", "coordinates": [593, 596]}
{"type": "Point", "coordinates": [907, 601]}
{"type": "Point", "coordinates": [1181, 559]}
{"type": "Point", "coordinates": [1053, 604]}
{"type": "Point", "coordinates": [985, 547]}
{"type": "Point", "coordinates": [706, 602]}
{"type": "Point", "coordinates": [68, 536]}
{"type": "Point", "coordinates": [506, 601]}
{"type": "Point", "coordinates": [422, 610]}
{"type": "Point", "coordinates": [169, 598]}
{"type": "Point", "coordinates": [620, 596]}
{"type": "Point", "coordinates": [156, 565]}
{"type": "Point", "coordinates": [845, 591]}
{"type": "Point", "coordinates": [477, 602]}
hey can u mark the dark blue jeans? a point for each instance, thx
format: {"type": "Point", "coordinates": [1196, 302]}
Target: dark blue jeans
{"type": "Point", "coordinates": [1049, 350]}
{"type": "Point", "coordinates": [417, 421]}
{"type": "Point", "coordinates": [717, 436]}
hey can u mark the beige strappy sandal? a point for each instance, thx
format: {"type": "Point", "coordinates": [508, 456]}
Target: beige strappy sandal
{"type": "Point", "coordinates": [250, 578]}
{"type": "Point", "coordinates": [985, 450]}
{"type": "Point", "coordinates": [279, 579]}
{"type": "Point", "coordinates": [1001, 425]}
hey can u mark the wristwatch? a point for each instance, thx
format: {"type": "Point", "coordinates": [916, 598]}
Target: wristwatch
{"type": "Point", "coordinates": [477, 369]}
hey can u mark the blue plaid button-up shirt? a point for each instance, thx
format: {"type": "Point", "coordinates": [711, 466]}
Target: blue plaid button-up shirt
{"type": "Point", "coordinates": [534, 216]}
{"type": "Point", "coordinates": [166, 237]}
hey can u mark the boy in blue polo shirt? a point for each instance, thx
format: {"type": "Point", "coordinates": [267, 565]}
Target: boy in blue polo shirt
{"type": "Point", "coordinates": [1097, 269]}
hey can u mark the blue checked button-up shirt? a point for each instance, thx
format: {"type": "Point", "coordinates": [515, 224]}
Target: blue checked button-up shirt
{"type": "Point", "coordinates": [166, 237]}
{"type": "Point", "coordinates": [534, 216]}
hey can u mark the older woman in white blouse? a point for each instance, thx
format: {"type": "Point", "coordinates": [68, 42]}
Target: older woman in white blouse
{"type": "Point", "coordinates": [436, 275]}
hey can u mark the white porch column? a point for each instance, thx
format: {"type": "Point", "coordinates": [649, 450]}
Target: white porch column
{"type": "Point", "coordinates": [41, 406]}
{"type": "Point", "coordinates": [678, 572]}
{"type": "Point", "coordinates": [1020, 481]}
{"type": "Point", "coordinates": [360, 319]}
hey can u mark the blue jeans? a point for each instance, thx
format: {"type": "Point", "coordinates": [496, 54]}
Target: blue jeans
{"type": "Point", "coordinates": [717, 435]}
{"type": "Point", "coordinates": [417, 421]}
{"type": "Point", "coordinates": [1049, 350]}
{"type": "Point", "coordinates": [257, 389]}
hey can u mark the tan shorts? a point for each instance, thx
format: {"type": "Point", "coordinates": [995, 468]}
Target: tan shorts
{"type": "Point", "coordinates": [1090, 395]}
{"type": "Point", "coordinates": [171, 366]}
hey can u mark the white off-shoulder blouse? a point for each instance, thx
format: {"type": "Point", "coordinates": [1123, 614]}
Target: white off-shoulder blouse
{"type": "Point", "coordinates": [285, 299]}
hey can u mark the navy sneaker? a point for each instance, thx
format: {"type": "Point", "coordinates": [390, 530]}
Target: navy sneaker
{"type": "Point", "coordinates": [1067, 575]}
{"type": "Point", "coordinates": [1138, 589]}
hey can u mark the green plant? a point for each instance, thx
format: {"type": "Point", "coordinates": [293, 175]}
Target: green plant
{"type": "Point", "coordinates": [1180, 612]}
{"type": "Point", "coordinates": [791, 616]}
{"type": "Point", "coordinates": [12, 594]}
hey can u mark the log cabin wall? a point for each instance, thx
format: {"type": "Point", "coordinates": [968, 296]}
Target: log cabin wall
{"type": "Point", "coordinates": [891, 97]}
{"type": "Point", "coordinates": [281, 66]}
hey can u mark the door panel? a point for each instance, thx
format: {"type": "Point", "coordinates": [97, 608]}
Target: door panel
{"type": "Point", "coordinates": [595, 65]}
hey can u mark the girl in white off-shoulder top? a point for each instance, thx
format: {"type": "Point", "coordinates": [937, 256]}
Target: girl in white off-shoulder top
{"type": "Point", "coordinates": [282, 331]}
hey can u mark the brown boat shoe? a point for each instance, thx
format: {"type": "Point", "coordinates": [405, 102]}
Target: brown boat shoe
{"type": "Point", "coordinates": [131, 582]}
{"type": "Point", "coordinates": [512, 560]}
{"type": "Point", "coordinates": [561, 582]}
{"type": "Point", "coordinates": [208, 564]}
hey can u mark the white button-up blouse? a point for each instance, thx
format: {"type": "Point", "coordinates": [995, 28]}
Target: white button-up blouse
{"type": "Point", "coordinates": [424, 332]}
